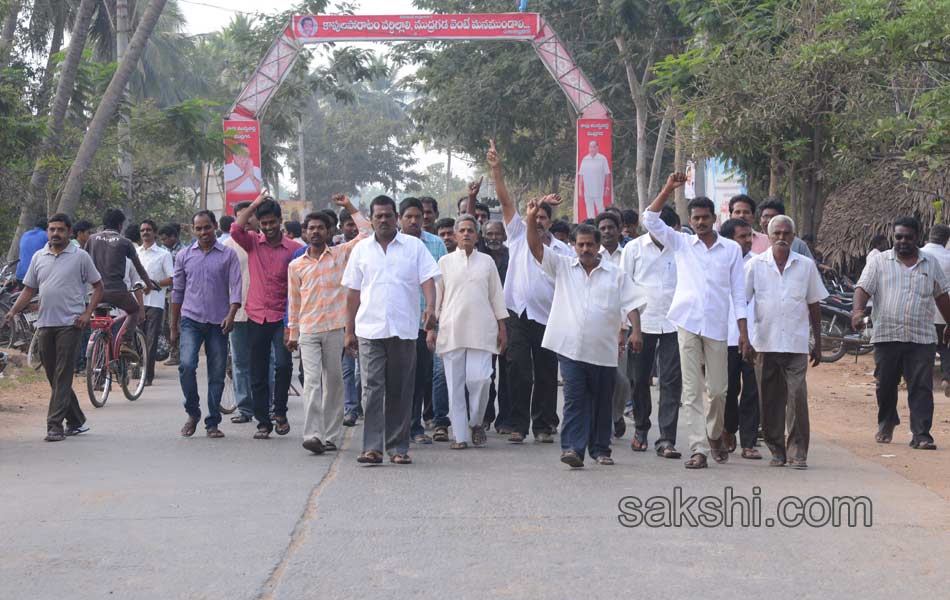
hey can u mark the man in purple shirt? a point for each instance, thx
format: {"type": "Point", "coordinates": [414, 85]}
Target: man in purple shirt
{"type": "Point", "coordinates": [268, 255]}
{"type": "Point", "coordinates": [206, 294]}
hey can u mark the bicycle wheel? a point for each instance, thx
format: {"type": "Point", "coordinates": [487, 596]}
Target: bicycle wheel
{"type": "Point", "coordinates": [98, 374]}
{"type": "Point", "coordinates": [133, 372]}
{"type": "Point", "coordinates": [228, 398]}
{"type": "Point", "coordinates": [33, 358]}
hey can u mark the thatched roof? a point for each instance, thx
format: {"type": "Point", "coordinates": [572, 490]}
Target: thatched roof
{"type": "Point", "coordinates": [856, 212]}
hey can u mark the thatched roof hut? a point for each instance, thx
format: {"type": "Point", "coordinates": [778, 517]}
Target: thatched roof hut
{"type": "Point", "coordinates": [856, 212]}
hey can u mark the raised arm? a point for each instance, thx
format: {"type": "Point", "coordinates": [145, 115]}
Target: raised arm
{"type": "Point", "coordinates": [507, 206]}
{"type": "Point", "coordinates": [663, 233]}
{"type": "Point", "coordinates": [472, 200]}
{"type": "Point", "coordinates": [239, 227]}
{"type": "Point", "coordinates": [531, 224]}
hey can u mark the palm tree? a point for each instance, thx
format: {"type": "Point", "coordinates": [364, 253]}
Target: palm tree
{"type": "Point", "coordinates": [54, 134]}
{"type": "Point", "coordinates": [108, 106]}
{"type": "Point", "coordinates": [8, 30]}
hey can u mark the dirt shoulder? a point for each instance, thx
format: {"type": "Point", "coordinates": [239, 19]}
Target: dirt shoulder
{"type": "Point", "coordinates": [24, 398]}
{"type": "Point", "coordinates": [843, 409]}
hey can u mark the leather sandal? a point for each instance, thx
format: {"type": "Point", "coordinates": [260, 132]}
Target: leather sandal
{"type": "Point", "coordinates": [696, 461]}
{"type": "Point", "coordinates": [189, 427]}
{"type": "Point", "coordinates": [400, 459]}
{"type": "Point", "coordinates": [440, 434]}
{"type": "Point", "coordinates": [372, 457]}
{"type": "Point", "coordinates": [605, 461]}
{"type": "Point", "coordinates": [459, 445]}
{"type": "Point", "coordinates": [281, 425]}
{"type": "Point", "coordinates": [214, 433]}
{"type": "Point", "coordinates": [751, 453]}
{"type": "Point", "coordinates": [262, 434]}
{"type": "Point", "coordinates": [668, 452]}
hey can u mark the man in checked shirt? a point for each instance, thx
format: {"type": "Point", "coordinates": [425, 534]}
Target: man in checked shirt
{"type": "Point", "coordinates": [316, 317]}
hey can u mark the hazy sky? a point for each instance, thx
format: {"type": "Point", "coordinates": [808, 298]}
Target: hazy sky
{"type": "Point", "coordinates": [210, 15]}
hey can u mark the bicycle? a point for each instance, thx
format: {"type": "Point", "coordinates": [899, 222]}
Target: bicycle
{"type": "Point", "coordinates": [104, 362]}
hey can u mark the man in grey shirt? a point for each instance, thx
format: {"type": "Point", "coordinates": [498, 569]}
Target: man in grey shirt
{"type": "Point", "coordinates": [63, 272]}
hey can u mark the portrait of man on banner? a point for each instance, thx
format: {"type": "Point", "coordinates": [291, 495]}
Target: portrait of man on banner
{"type": "Point", "coordinates": [307, 27]}
{"type": "Point", "coordinates": [593, 181]}
{"type": "Point", "coordinates": [241, 175]}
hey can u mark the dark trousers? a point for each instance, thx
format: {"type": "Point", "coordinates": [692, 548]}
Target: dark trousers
{"type": "Point", "coordinates": [388, 371]}
{"type": "Point", "coordinates": [784, 393]}
{"type": "Point", "coordinates": [422, 387]}
{"type": "Point", "coordinates": [532, 377]}
{"type": "Point", "coordinates": [915, 362]}
{"type": "Point", "coordinates": [263, 339]}
{"type": "Point", "coordinates": [665, 348]}
{"type": "Point", "coordinates": [58, 346]}
{"type": "Point", "coordinates": [742, 399]}
{"type": "Point", "coordinates": [127, 302]}
{"type": "Point", "coordinates": [154, 320]}
{"type": "Point", "coordinates": [498, 390]}
{"type": "Point", "coordinates": [944, 351]}
{"type": "Point", "coordinates": [588, 407]}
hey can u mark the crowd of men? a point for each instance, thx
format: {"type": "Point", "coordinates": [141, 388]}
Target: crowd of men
{"type": "Point", "coordinates": [415, 322]}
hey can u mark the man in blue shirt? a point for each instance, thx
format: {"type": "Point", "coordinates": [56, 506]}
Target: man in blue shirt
{"type": "Point", "coordinates": [30, 242]}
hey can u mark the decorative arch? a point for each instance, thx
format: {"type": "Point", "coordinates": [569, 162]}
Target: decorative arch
{"type": "Point", "coordinates": [593, 188]}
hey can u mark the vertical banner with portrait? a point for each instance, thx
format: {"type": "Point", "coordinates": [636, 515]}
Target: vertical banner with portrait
{"type": "Point", "coordinates": [242, 162]}
{"type": "Point", "coordinates": [593, 187]}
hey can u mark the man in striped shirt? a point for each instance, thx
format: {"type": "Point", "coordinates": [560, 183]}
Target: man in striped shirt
{"type": "Point", "coordinates": [904, 283]}
{"type": "Point", "coordinates": [316, 316]}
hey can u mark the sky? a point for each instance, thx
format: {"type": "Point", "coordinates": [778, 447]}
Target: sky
{"type": "Point", "coordinates": [205, 16]}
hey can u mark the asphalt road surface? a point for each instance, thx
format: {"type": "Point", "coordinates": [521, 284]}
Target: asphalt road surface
{"type": "Point", "coordinates": [132, 510]}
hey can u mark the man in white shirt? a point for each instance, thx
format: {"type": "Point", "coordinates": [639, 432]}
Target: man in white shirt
{"type": "Point", "coordinates": [383, 275]}
{"type": "Point", "coordinates": [594, 181]}
{"type": "Point", "coordinates": [787, 288]}
{"type": "Point", "coordinates": [592, 299]}
{"type": "Point", "coordinates": [532, 369]}
{"type": "Point", "coordinates": [652, 266]}
{"type": "Point", "coordinates": [937, 247]}
{"type": "Point", "coordinates": [471, 311]}
{"type": "Point", "coordinates": [239, 339]}
{"type": "Point", "coordinates": [742, 397]}
{"type": "Point", "coordinates": [609, 224]}
{"type": "Point", "coordinates": [160, 267]}
{"type": "Point", "coordinates": [709, 280]}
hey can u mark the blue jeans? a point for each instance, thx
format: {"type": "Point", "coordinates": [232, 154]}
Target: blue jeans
{"type": "Point", "coordinates": [241, 369]}
{"type": "Point", "coordinates": [440, 394]}
{"type": "Point", "coordinates": [193, 335]}
{"type": "Point", "coordinates": [588, 407]}
{"type": "Point", "coordinates": [352, 390]}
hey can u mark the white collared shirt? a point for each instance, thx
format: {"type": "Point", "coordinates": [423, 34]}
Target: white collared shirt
{"type": "Point", "coordinates": [733, 339]}
{"type": "Point", "coordinates": [159, 265]}
{"type": "Point", "coordinates": [470, 302]}
{"type": "Point", "coordinates": [781, 308]}
{"type": "Point", "coordinates": [615, 258]}
{"type": "Point", "coordinates": [654, 271]}
{"type": "Point", "coordinates": [241, 315]}
{"type": "Point", "coordinates": [389, 282]}
{"type": "Point", "coordinates": [708, 280]}
{"type": "Point", "coordinates": [590, 308]}
{"type": "Point", "coordinates": [943, 257]}
{"type": "Point", "coordinates": [527, 287]}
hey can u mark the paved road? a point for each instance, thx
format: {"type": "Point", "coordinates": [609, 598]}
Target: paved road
{"type": "Point", "coordinates": [131, 510]}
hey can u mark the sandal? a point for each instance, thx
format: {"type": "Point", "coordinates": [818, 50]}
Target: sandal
{"type": "Point", "coordinates": [668, 452]}
{"type": "Point", "coordinates": [696, 461]}
{"type": "Point", "coordinates": [281, 425]}
{"type": "Point", "coordinates": [729, 441]}
{"type": "Point", "coordinates": [241, 419]}
{"type": "Point", "coordinates": [639, 442]}
{"type": "Point", "coordinates": [459, 445]}
{"type": "Point", "coordinates": [400, 459]}
{"type": "Point", "coordinates": [923, 445]}
{"type": "Point", "coordinates": [605, 460]}
{"type": "Point", "coordinates": [189, 428]}
{"type": "Point", "coordinates": [262, 434]}
{"type": "Point", "coordinates": [440, 434]}
{"type": "Point", "coordinates": [884, 434]}
{"type": "Point", "coordinates": [572, 459]}
{"type": "Point", "coordinates": [214, 433]}
{"type": "Point", "coordinates": [373, 457]}
{"type": "Point", "coordinates": [751, 454]}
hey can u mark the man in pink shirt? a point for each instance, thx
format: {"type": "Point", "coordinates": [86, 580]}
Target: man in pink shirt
{"type": "Point", "coordinates": [268, 254]}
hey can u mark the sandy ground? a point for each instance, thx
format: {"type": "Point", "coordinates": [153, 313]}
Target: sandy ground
{"type": "Point", "coordinates": [843, 410]}
{"type": "Point", "coordinates": [841, 403]}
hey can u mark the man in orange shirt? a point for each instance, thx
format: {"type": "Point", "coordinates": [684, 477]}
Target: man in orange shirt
{"type": "Point", "coordinates": [316, 317]}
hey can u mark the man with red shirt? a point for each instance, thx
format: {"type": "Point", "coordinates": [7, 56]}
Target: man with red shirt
{"type": "Point", "coordinates": [268, 254]}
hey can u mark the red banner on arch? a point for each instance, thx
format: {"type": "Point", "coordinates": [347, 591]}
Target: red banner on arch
{"type": "Point", "coordinates": [242, 162]}
{"type": "Point", "coordinates": [593, 188]}
{"type": "Point", "coordinates": [493, 26]}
